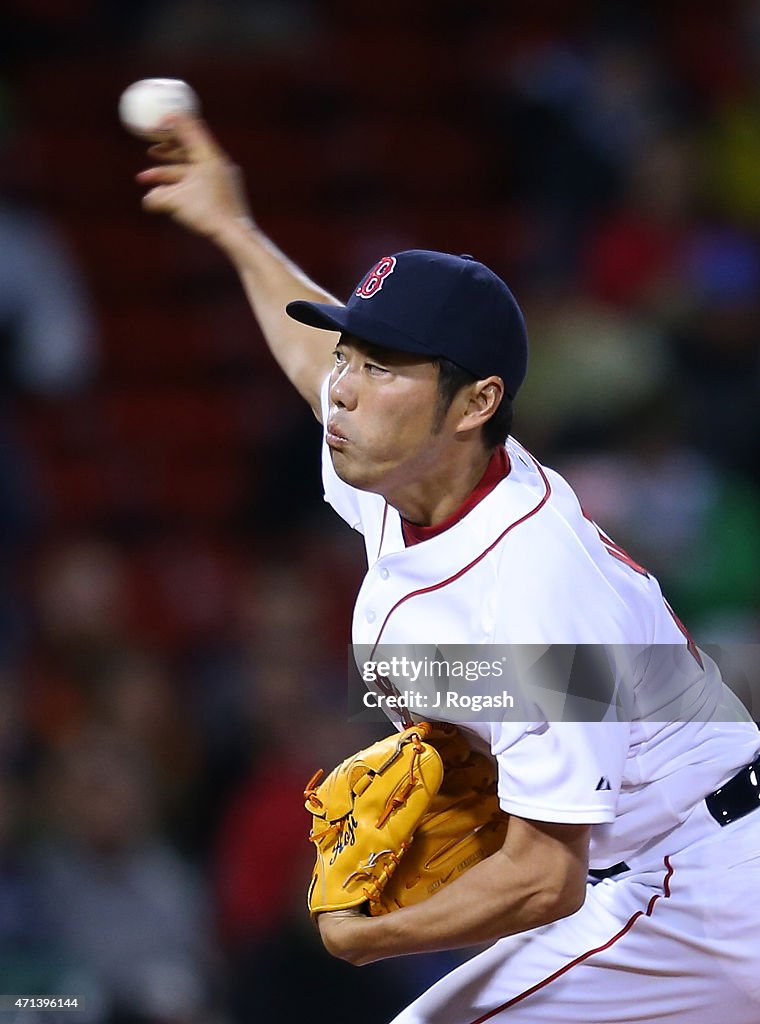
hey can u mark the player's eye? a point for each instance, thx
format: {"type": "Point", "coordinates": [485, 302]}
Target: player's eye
{"type": "Point", "coordinates": [339, 357]}
{"type": "Point", "coordinates": [374, 369]}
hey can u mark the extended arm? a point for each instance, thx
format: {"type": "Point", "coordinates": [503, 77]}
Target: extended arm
{"type": "Point", "coordinates": [202, 189]}
{"type": "Point", "coordinates": [537, 877]}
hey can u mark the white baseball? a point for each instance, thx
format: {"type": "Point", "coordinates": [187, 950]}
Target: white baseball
{"type": "Point", "coordinates": [146, 103]}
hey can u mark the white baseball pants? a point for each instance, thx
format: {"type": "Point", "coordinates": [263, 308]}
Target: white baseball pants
{"type": "Point", "coordinates": [675, 942]}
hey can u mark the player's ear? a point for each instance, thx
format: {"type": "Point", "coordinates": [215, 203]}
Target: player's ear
{"type": "Point", "coordinates": [483, 399]}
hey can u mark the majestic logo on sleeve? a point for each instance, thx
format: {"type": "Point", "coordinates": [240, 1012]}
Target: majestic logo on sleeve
{"type": "Point", "coordinates": [374, 280]}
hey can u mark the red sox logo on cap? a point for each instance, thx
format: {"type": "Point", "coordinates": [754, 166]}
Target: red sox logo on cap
{"type": "Point", "coordinates": [373, 282]}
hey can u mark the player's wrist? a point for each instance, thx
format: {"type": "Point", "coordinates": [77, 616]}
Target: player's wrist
{"type": "Point", "coordinates": [234, 233]}
{"type": "Point", "coordinates": [344, 935]}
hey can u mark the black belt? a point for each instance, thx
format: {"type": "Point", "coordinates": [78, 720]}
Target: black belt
{"type": "Point", "coordinates": [738, 797]}
{"type": "Point", "coordinates": [735, 799]}
{"type": "Point", "coordinates": [616, 869]}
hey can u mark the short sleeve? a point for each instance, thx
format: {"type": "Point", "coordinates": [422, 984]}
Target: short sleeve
{"type": "Point", "coordinates": [342, 497]}
{"type": "Point", "coordinates": [564, 772]}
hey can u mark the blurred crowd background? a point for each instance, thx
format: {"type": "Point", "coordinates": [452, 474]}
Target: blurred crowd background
{"type": "Point", "coordinates": [174, 596]}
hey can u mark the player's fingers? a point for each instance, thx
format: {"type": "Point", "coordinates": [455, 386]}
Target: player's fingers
{"type": "Point", "coordinates": [168, 174]}
{"type": "Point", "coordinates": [192, 135]}
{"type": "Point", "coordinates": [168, 152]}
{"type": "Point", "coordinates": [159, 199]}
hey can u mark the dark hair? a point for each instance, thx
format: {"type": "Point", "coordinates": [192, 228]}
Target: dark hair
{"type": "Point", "coordinates": [451, 380]}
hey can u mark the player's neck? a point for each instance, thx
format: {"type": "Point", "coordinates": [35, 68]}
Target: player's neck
{"type": "Point", "coordinates": [436, 494]}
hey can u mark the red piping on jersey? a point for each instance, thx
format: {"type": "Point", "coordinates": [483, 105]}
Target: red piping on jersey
{"type": "Point", "coordinates": [382, 531]}
{"type": "Point", "coordinates": [591, 952]}
{"type": "Point", "coordinates": [474, 562]}
{"type": "Point", "coordinates": [690, 645]}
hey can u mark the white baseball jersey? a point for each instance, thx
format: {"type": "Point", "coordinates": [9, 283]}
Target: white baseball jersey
{"type": "Point", "coordinates": [525, 566]}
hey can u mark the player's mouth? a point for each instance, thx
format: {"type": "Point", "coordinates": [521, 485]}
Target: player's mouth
{"type": "Point", "coordinates": [334, 438]}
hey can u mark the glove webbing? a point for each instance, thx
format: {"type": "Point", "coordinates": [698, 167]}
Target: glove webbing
{"type": "Point", "coordinates": [394, 802]}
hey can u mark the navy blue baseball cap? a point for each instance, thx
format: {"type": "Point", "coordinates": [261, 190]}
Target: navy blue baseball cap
{"type": "Point", "coordinates": [433, 304]}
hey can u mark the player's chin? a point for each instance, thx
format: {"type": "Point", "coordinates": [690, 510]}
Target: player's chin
{"type": "Point", "coordinates": [352, 470]}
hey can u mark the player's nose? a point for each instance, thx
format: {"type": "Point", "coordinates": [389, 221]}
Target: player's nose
{"type": "Point", "coordinates": [343, 388]}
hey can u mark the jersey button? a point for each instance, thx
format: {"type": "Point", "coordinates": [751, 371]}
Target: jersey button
{"type": "Point", "coordinates": [384, 573]}
{"type": "Point", "coordinates": [370, 616]}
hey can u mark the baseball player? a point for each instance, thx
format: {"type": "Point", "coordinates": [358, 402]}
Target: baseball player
{"type": "Point", "coordinates": [471, 540]}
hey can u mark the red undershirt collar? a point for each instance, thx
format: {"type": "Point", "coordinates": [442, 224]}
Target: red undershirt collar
{"type": "Point", "coordinates": [497, 469]}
